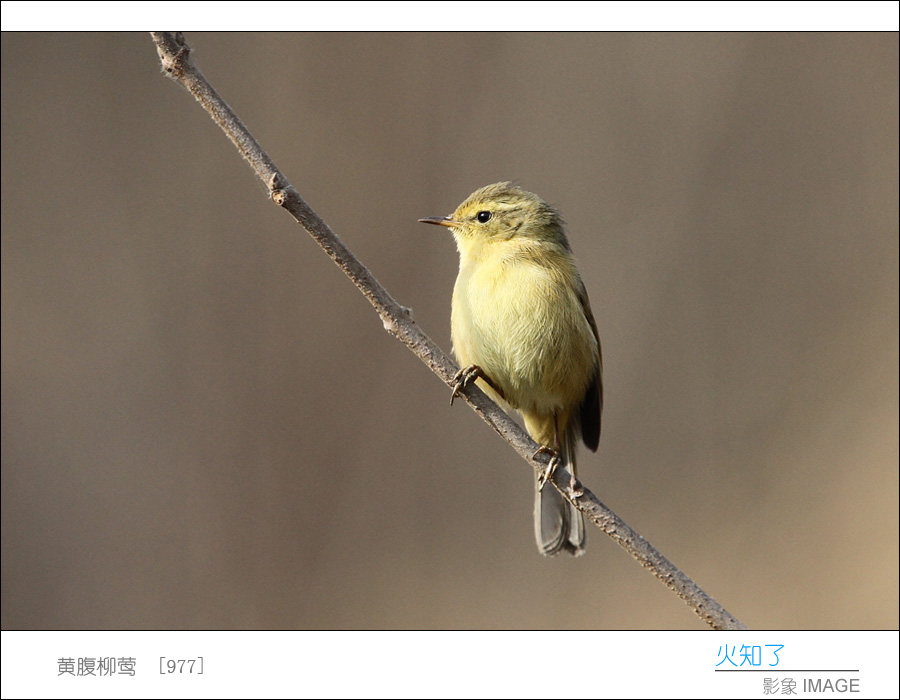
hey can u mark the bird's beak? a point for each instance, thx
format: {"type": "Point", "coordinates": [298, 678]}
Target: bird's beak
{"type": "Point", "coordinates": [440, 221]}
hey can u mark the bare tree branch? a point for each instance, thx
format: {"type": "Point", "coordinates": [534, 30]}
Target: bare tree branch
{"type": "Point", "coordinates": [177, 63]}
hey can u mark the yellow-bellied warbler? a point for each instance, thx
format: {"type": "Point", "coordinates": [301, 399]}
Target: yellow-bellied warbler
{"type": "Point", "coordinates": [523, 329]}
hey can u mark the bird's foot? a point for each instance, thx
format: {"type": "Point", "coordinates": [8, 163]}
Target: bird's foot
{"type": "Point", "coordinates": [463, 377]}
{"type": "Point", "coordinates": [551, 465]}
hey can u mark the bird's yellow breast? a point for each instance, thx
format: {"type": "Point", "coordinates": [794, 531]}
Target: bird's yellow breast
{"type": "Point", "coordinates": [517, 315]}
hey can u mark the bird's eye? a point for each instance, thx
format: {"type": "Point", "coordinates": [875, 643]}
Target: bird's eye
{"type": "Point", "coordinates": [483, 216]}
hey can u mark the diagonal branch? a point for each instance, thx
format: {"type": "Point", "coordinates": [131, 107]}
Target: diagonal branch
{"type": "Point", "coordinates": [177, 63]}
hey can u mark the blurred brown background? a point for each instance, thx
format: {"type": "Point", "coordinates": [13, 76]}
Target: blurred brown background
{"type": "Point", "coordinates": [205, 426]}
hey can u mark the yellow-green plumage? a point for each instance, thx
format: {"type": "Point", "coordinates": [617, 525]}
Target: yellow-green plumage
{"type": "Point", "coordinates": [521, 314]}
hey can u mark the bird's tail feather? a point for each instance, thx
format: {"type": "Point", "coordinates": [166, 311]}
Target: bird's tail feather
{"type": "Point", "coordinates": [558, 525]}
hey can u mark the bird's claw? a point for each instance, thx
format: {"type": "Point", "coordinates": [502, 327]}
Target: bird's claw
{"type": "Point", "coordinates": [551, 465]}
{"type": "Point", "coordinates": [462, 378]}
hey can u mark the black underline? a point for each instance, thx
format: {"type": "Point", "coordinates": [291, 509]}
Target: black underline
{"type": "Point", "coordinates": [786, 670]}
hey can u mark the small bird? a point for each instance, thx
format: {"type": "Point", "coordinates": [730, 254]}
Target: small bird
{"type": "Point", "coordinates": [523, 329]}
